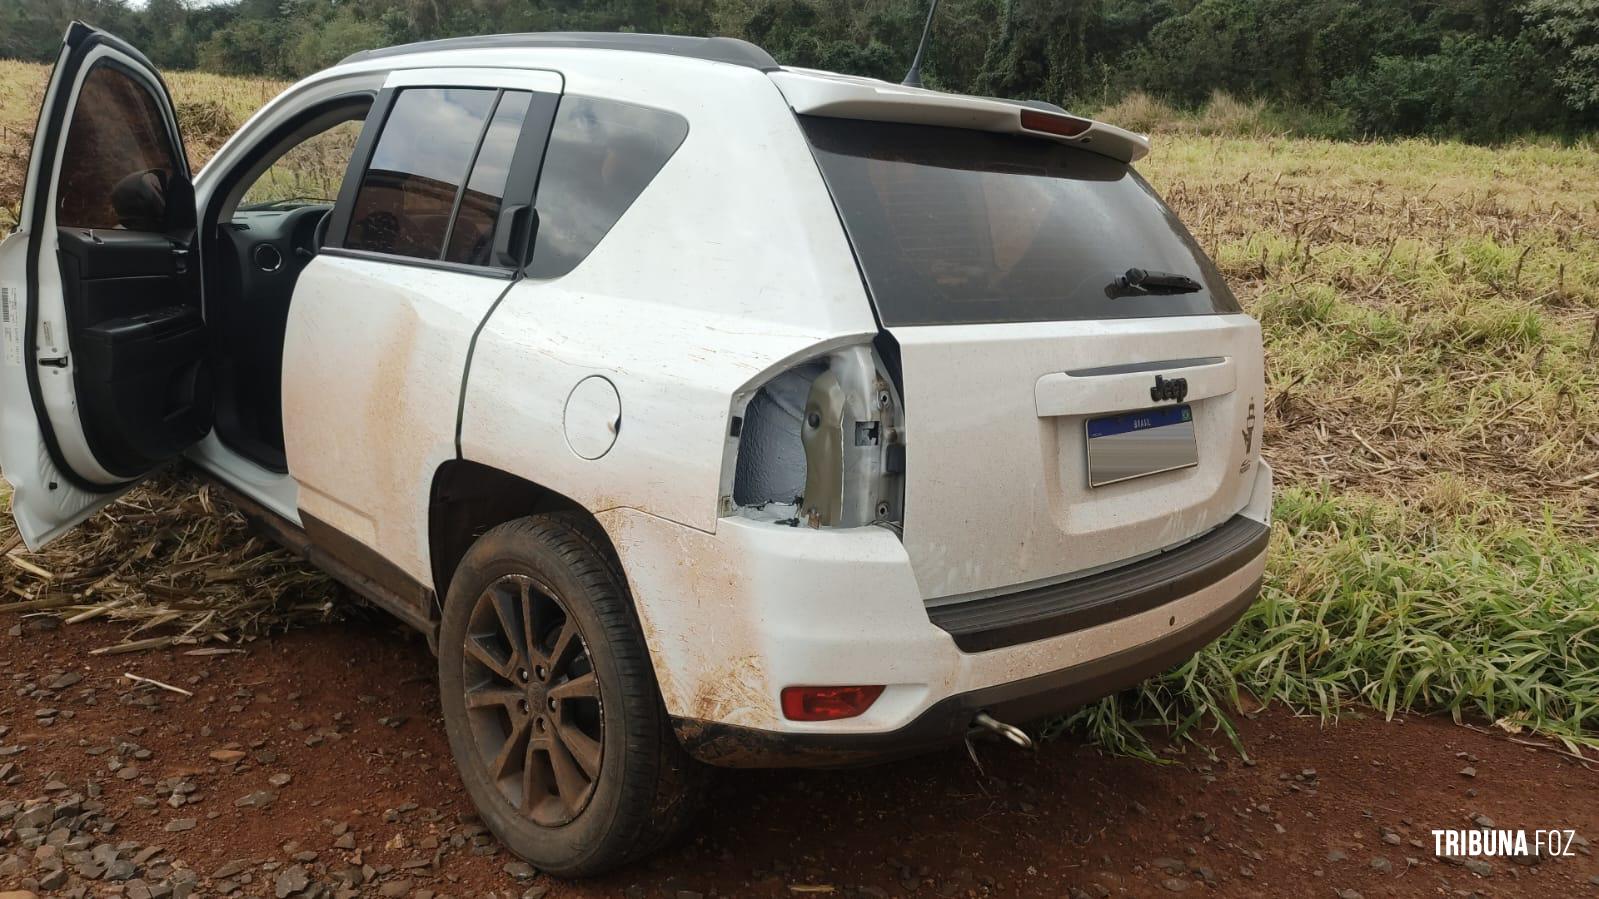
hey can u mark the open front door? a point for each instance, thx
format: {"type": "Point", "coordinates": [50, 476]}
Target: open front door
{"type": "Point", "coordinates": [104, 375]}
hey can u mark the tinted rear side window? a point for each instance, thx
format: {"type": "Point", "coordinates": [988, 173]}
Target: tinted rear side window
{"type": "Point", "coordinates": [954, 226]}
{"type": "Point", "coordinates": [408, 191]}
{"type": "Point", "coordinates": [602, 154]}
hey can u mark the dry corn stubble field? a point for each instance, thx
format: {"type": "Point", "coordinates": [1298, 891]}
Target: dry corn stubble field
{"type": "Point", "coordinates": [1431, 317]}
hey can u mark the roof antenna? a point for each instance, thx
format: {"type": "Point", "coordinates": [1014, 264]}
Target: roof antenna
{"type": "Point", "coordinates": [913, 78]}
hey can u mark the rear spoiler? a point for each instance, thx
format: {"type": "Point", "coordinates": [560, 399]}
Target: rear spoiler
{"type": "Point", "coordinates": [845, 97]}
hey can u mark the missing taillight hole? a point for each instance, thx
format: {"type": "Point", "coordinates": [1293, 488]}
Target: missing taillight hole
{"type": "Point", "coordinates": [771, 458]}
{"type": "Point", "coordinates": [822, 444]}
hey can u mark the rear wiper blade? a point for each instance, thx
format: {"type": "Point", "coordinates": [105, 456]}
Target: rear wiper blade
{"type": "Point", "coordinates": [1157, 282]}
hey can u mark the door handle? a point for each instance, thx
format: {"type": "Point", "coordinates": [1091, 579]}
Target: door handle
{"type": "Point", "coordinates": [1098, 391]}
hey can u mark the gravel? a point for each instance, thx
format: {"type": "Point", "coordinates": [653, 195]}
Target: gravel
{"type": "Point", "coordinates": [258, 799]}
{"type": "Point", "coordinates": [290, 880]}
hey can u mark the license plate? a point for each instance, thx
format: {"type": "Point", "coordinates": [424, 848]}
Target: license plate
{"type": "Point", "coordinates": [1123, 447]}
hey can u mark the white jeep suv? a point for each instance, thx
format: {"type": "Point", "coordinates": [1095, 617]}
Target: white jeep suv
{"type": "Point", "coordinates": [698, 409]}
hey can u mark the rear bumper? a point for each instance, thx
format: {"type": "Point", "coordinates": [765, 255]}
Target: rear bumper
{"type": "Point", "coordinates": [949, 719]}
{"type": "Point", "coordinates": [732, 618]}
{"type": "Point", "coordinates": [994, 622]}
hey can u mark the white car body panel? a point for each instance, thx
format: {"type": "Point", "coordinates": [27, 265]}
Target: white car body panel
{"type": "Point", "coordinates": [735, 616]}
{"type": "Point", "coordinates": [527, 79]}
{"type": "Point", "coordinates": [972, 405]}
{"type": "Point", "coordinates": [772, 277]}
{"type": "Point", "coordinates": [701, 287]}
{"type": "Point", "coordinates": [845, 97]}
{"type": "Point", "coordinates": [372, 365]}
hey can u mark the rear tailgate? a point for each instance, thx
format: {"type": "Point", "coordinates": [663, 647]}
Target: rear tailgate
{"type": "Point", "coordinates": [1000, 263]}
{"type": "Point", "coordinates": [997, 493]}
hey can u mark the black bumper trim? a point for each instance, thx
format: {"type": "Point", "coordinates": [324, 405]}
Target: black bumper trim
{"type": "Point", "coordinates": [994, 622]}
{"type": "Point", "coordinates": [947, 721]}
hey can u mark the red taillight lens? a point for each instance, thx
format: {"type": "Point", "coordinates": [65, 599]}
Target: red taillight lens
{"type": "Point", "coordinates": [827, 703]}
{"type": "Point", "coordinates": [1053, 123]}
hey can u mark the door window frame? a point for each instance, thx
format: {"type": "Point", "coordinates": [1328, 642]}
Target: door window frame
{"type": "Point", "coordinates": [527, 160]}
{"type": "Point", "coordinates": [156, 93]}
{"type": "Point", "coordinates": [265, 151]}
{"type": "Point", "coordinates": [56, 121]}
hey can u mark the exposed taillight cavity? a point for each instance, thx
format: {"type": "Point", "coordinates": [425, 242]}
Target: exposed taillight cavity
{"type": "Point", "coordinates": [1054, 123]}
{"type": "Point", "coordinates": [828, 703]}
{"type": "Point", "coordinates": [820, 444]}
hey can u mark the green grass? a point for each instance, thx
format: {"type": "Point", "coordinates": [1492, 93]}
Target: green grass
{"type": "Point", "coordinates": [1399, 609]}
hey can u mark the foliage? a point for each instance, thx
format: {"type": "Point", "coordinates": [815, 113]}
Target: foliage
{"type": "Point", "coordinates": [1370, 602]}
{"type": "Point", "coordinates": [1484, 69]}
{"type": "Point", "coordinates": [1275, 48]}
{"type": "Point", "coordinates": [1473, 87]}
{"type": "Point", "coordinates": [1571, 30]}
{"type": "Point", "coordinates": [816, 35]}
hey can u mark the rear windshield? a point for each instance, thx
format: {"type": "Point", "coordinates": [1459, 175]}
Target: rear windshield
{"type": "Point", "coordinates": [954, 226]}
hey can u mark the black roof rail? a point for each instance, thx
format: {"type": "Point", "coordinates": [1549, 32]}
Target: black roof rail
{"type": "Point", "coordinates": [713, 49]}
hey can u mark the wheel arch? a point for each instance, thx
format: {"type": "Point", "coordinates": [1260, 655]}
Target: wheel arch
{"type": "Point", "coordinates": [468, 498]}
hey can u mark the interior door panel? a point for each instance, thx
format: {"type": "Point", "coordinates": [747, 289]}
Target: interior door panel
{"type": "Point", "coordinates": [144, 387]}
{"type": "Point", "coordinates": [133, 311]}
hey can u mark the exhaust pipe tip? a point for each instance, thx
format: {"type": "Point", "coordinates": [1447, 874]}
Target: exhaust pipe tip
{"type": "Point", "coordinates": [1009, 732]}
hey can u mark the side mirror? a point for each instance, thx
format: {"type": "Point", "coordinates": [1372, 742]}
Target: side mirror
{"type": "Point", "coordinates": [140, 200]}
{"type": "Point", "coordinates": [513, 235]}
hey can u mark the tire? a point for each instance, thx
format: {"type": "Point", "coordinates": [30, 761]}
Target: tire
{"type": "Point", "coordinates": [522, 713]}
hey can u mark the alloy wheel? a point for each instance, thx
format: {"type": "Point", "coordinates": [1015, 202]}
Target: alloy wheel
{"type": "Point", "coordinates": [533, 700]}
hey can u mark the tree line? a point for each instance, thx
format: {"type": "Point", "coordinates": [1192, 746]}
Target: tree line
{"type": "Point", "coordinates": [1483, 70]}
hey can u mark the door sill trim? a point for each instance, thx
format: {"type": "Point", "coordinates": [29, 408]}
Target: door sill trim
{"type": "Point", "coordinates": [345, 559]}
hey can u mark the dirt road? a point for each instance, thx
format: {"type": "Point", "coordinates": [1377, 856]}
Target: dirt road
{"type": "Point", "coordinates": [314, 763]}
